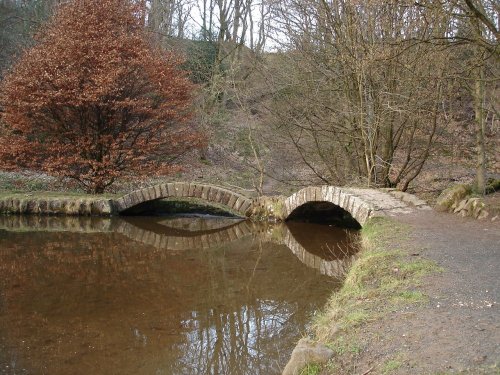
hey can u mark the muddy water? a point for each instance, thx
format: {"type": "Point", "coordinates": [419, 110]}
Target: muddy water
{"type": "Point", "coordinates": [163, 295]}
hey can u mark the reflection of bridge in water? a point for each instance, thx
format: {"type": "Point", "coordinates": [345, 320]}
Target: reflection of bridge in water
{"type": "Point", "coordinates": [330, 253]}
{"type": "Point", "coordinates": [165, 234]}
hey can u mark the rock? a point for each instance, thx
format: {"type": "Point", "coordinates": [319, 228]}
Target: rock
{"type": "Point", "coordinates": [460, 205]}
{"type": "Point", "coordinates": [483, 215]}
{"type": "Point", "coordinates": [306, 352]}
{"type": "Point", "coordinates": [471, 207]}
{"type": "Point", "coordinates": [268, 208]}
{"type": "Point", "coordinates": [452, 196]}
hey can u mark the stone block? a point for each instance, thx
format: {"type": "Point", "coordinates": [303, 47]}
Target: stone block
{"type": "Point", "coordinates": [244, 209]}
{"type": "Point", "coordinates": [164, 190]}
{"type": "Point", "coordinates": [225, 198]}
{"type": "Point", "coordinates": [178, 189]}
{"type": "Point", "coordinates": [318, 196]}
{"type": "Point", "coordinates": [171, 189]}
{"type": "Point", "coordinates": [136, 197]}
{"type": "Point", "coordinates": [23, 206]}
{"type": "Point", "coordinates": [142, 196]}
{"type": "Point", "coordinates": [239, 202]}
{"type": "Point", "coordinates": [158, 193]}
{"type": "Point", "coordinates": [205, 191]}
{"type": "Point", "coordinates": [218, 196]}
{"type": "Point", "coordinates": [198, 191]}
{"type": "Point", "coordinates": [232, 200]}
{"type": "Point", "coordinates": [191, 190]}
{"type": "Point", "coordinates": [185, 190]}
{"type": "Point", "coordinates": [150, 191]}
{"type": "Point", "coordinates": [212, 195]}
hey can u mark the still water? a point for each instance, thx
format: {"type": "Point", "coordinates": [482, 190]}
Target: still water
{"type": "Point", "coordinates": [161, 295]}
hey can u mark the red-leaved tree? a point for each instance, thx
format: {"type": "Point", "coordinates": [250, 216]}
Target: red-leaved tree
{"type": "Point", "coordinates": [94, 100]}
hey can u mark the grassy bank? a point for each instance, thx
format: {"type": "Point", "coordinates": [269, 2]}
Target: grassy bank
{"type": "Point", "coordinates": [386, 276]}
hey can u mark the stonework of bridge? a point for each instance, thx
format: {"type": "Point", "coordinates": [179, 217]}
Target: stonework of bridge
{"type": "Point", "coordinates": [362, 204]}
{"type": "Point", "coordinates": [208, 193]}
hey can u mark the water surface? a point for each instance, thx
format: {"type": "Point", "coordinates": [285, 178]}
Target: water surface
{"type": "Point", "coordinates": [160, 295]}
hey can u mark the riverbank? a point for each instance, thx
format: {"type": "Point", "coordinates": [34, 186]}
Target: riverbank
{"type": "Point", "coordinates": [422, 298]}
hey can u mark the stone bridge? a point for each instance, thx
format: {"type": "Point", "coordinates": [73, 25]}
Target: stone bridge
{"type": "Point", "coordinates": [362, 204]}
{"type": "Point", "coordinates": [232, 201]}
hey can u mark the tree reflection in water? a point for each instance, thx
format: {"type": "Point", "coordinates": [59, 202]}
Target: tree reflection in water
{"type": "Point", "coordinates": [104, 301]}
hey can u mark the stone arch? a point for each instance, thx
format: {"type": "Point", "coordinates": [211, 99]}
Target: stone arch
{"type": "Point", "coordinates": [234, 202]}
{"type": "Point", "coordinates": [353, 202]}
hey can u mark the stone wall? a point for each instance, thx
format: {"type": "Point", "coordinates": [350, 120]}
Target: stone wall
{"type": "Point", "coordinates": [57, 206]}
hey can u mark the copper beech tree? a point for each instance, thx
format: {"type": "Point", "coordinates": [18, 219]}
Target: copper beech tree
{"type": "Point", "coordinates": [94, 100]}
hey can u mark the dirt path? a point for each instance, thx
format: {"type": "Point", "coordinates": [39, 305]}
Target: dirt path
{"type": "Point", "coordinates": [458, 331]}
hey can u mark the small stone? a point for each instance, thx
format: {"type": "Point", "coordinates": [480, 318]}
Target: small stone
{"type": "Point", "coordinates": [483, 214]}
{"type": "Point", "coordinates": [480, 359]}
{"type": "Point", "coordinates": [461, 206]}
{"type": "Point", "coordinates": [306, 352]}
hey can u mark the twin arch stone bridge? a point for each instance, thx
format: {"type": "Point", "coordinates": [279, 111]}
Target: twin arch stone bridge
{"type": "Point", "coordinates": [361, 204]}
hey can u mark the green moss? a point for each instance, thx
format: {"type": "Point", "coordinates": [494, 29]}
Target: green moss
{"type": "Point", "coordinates": [451, 196]}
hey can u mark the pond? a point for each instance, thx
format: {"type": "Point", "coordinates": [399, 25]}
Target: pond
{"type": "Point", "coordinates": [163, 294]}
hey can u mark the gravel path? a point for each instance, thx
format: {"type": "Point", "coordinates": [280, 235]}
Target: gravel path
{"type": "Point", "coordinates": [459, 330]}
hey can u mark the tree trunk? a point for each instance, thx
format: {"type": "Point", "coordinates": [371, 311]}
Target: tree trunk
{"type": "Point", "coordinates": [480, 128]}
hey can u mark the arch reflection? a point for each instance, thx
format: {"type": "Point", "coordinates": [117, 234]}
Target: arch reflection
{"type": "Point", "coordinates": [97, 296]}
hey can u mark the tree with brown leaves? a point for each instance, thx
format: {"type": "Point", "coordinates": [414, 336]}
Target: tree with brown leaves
{"type": "Point", "coordinates": [94, 100]}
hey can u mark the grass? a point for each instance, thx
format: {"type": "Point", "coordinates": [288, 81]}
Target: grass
{"type": "Point", "coordinates": [342, 346]}
{"type": "Point", "coordinates": [382, 279]}
{"type": "Point", "coordinates": [410, 296]}
{"type": "Point", "coordinates": [311, 369]}
{"type": "Point", "coordinates": [391, 366]}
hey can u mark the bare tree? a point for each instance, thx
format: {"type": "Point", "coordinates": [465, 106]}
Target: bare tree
{"type": "Point", "coordinates": [354, 95]}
